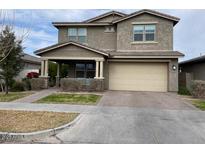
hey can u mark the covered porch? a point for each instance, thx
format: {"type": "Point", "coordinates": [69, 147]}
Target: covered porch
{"type": "Point", "coordinates": [85, 66]}
{"type": "Point", "coordinates": [83, 70]}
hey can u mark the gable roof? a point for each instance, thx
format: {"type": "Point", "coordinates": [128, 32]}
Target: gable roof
{"type": "Point", "coordinates": [105, 15]}
{"type": "Point", "coordinates": [152, 12]}
{"type": "Point", "coordinates": [123, 17]}
{"type": "Point", "coordinates": [31, 59]}
{"type": "Point", "coordinates": [59, 45]}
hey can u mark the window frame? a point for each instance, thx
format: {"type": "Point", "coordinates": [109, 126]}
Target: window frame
{"type": "Point", "coordinates": [77, 34]}
{"type": "Point", "coordinates": [85, 70]}
{"type": "Point", "coordinates": [144, 33]}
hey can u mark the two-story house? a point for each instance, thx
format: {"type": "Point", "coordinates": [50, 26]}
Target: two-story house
{"type": "Point", "coordinates": [123, 51]}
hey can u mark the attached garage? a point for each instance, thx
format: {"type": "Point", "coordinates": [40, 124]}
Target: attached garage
{"type": "Point", "coordinates": [138, 76]}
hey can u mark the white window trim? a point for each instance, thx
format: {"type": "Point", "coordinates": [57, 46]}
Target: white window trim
{"type": "Point", "coordinates": [143, 33]}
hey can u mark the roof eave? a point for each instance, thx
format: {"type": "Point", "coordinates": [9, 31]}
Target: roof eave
{"type": "Point", "coordinates": [148, 56]}
{"type": "Point", "coordinates": [80, 24]}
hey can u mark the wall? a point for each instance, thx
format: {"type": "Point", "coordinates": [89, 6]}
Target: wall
{"type": "Point", "coordinates": [185, 80]}
{"type": "Point", "coordinates": [173, 76]}
{"type": "Point", "coordinates": [164, 34]}
{"type": "Point", "coordinates": [197, 69]}
{"type": "Point", "coordinates": [102, 40]}
{"type": "Point", "coordinates": [96, 37]}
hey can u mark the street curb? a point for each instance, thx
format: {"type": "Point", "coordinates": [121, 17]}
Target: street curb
{"type": "Point", "coordinates": [6, 136]}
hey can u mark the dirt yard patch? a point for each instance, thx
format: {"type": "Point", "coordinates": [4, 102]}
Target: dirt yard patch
{"type": "Point", "coordinates": [30, 121]}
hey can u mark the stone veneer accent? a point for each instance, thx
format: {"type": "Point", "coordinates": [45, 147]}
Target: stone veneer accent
{"type": "Point", "coordinates": [39, 83]}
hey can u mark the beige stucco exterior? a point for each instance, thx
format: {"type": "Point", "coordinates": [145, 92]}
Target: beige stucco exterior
{"type": "Point", "coordinates": [122, 38]}
{"type": "Point", "coordinates": [96, 37]}
{"type": "Point", "coordinates": [164, 34]}
{"type": "Point", "coordinates": [173, 76]}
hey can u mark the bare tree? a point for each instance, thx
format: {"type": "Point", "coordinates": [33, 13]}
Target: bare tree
{"type": "Point", "coordinates": [8, 19]}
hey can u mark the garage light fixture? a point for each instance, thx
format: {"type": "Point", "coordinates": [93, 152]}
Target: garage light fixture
{"type": "Point", "coordinates": [174, 67]}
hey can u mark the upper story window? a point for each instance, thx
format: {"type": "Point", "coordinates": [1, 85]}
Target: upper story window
{"type": "Point", "coordinates": [143, 33]}
{"type": "Point", "coordinates": [77, 34]}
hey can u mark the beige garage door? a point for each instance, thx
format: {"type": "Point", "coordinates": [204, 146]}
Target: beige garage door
{"type": "Point", "coordinates": [138, 76]}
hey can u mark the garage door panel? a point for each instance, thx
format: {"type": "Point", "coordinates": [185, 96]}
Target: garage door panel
{"type": "Point", "coordinates": [138, 76]}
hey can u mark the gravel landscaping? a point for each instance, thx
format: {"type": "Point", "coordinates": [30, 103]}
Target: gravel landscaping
{"type": "Point", "coordinates": [30, 121]}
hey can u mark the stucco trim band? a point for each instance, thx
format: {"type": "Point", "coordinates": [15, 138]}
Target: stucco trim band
{"type": "Point", "coordinates": [73, 58]}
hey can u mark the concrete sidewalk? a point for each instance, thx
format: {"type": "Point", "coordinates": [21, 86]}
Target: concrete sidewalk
{"type": "Point", "coordinates": [47, 107]}
{"type": "Point", "coordinates": [36, 96]}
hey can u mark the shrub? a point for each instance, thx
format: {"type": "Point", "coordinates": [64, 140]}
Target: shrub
{"type": "Point", "coordinates": [198, 89]}
{"type": "Point", "coordinates": [31, 75]}
{"type": "Point", "coordinates": [17, 86]}
{"type": "Point", "coordinates": [183, 91]}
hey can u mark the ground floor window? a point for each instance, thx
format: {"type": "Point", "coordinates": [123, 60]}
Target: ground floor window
{"type": "Point", "coordinates": [85, 70]}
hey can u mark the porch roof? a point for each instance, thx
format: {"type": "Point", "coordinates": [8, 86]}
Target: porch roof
{"type": "Point", "coordinates": [141, 54]}
{"type": "Point", "coordinates": [59, 45]}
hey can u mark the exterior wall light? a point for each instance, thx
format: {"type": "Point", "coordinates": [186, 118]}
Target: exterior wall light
{"type": "Point", "coordinates": [174, 67]}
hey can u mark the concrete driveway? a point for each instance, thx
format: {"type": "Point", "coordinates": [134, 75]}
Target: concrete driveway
{"type": "Point", "coordinates": [139, 117]}
{"type": "Point", "coordinates": [137, 125]}
{"type": "Point", "coordinates": [157, 100]}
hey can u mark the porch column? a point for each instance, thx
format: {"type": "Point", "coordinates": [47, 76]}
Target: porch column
{"type": "Point", "coordinates": [97, 70]}
{"type": "Point", "coordinates": [58, 70]}
{"type": "Point", "coordinates": [58, 75]}
{"type": "Point", "coordinates": [46, 68]}
{"type": "Point", "coordinates": [44, 72]}
{"type": "Point", "coordinates": [42, 68]}
{"type": "Point", "coordinates": [101, 70]}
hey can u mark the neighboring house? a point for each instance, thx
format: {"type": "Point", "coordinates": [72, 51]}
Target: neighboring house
{"type": "Point", "coordinates": [127, 52]}
{"type": "Point", "coordinates": [31, 64]}
{"type": "Point", "coordinates": [195, 66]}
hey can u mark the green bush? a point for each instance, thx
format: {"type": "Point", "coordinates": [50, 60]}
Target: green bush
{"type": "Point", "coordinates": [183, 91]}
{"type": "Point", "coordinates": [17, 86]}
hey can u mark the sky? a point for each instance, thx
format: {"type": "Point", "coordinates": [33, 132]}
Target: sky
{"type": "Point", "coordinates": [38, 32]}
